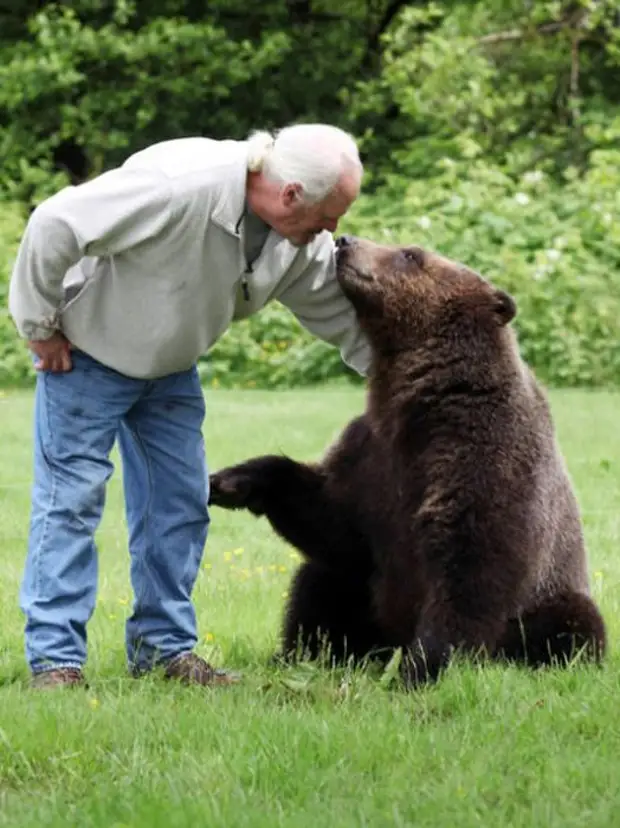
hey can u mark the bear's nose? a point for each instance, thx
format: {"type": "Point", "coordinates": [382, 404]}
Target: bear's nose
{"type": "Point", "coordinates": [344, 241]}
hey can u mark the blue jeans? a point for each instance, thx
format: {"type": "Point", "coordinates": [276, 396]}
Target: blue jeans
{"type": "Point", "coordinates": [78, 416]}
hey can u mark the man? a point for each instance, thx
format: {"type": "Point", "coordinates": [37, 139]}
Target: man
{"type": "Point", "coordinates": [119, 285]}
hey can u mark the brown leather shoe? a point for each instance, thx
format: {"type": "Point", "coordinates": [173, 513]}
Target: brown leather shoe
{"type": "Point", "coordinates": [58, 677]}
{"type": "Point", "coordinates": [189, 668]}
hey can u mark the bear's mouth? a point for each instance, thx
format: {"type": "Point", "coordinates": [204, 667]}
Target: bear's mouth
{"type": "Point", "coordinates": [348, 273]}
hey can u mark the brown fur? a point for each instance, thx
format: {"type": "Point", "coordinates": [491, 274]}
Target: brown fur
{"type": "Point", "coordinates": [444, 517]}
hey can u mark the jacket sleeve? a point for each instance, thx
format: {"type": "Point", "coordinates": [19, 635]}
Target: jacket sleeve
{"type": "Point", "coordinates": [111, 213]}
{"type": "Point", "coordinates": [314, 296]}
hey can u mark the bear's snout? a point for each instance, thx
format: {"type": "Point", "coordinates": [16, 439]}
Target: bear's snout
{"type": "Point", "coordinates": [342, 242]}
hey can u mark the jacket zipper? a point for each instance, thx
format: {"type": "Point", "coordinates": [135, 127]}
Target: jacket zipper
{"type": "Point", "coordinates": [248, 267]}
{"type": "Point", "coordinates": [244, 282]}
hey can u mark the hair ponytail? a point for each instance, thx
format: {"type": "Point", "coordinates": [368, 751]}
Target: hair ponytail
{"type": "Point", "coordinates": [259, 145]}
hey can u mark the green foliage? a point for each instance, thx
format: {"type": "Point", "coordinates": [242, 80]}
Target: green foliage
{"type": "Point", "coordinates": [108, 77]}
{"type": "Point", "coordinates": [112, 89]}
{"type": "Point", "coordinates": [555, 247]}
{"type": "Point", "coordinates": [518, 82]}
{"type": "Point", "coordinates": [271, 350]}
{"type": "Point", "coordinates": [415, 81]}
{"type": "Point", "coordinates": [490, 131]}
{"type": "Point", "coordinates": [15, 364]}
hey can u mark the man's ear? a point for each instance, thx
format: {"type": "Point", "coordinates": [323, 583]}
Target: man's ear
{"type": "Point", "coordinates": [504, 306]}
{"type": "Point", "coordinates": [291, 194]}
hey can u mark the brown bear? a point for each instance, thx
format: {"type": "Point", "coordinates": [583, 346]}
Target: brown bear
{"type": "Point", "coordinates": [443, 519]}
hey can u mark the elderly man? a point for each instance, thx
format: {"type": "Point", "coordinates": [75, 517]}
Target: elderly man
{"type": "Point", "coordinates": [120, 284]}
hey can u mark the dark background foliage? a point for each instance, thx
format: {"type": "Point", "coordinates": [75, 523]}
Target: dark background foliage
{"type": "Point", "coordinates": [490, 130]}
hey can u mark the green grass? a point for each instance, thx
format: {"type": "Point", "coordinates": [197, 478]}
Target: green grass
{"type": "Point", "coordinates": [490, 746]}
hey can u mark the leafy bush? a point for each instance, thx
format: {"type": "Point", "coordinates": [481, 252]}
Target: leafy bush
{"type": "Point", "coordinates": [555, 247]}
{"type": "Point", "coordinates": [84, 84]}
{"type": "Point", "coordinates": [520, 82]}
{"type": "Point", "coordinates": [15, 364]}
{"type": "Point", "coordinates": [271, 350]}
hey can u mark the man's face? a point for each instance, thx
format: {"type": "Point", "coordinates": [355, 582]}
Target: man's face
{"type": "Point", "coordinates": [300, 223]}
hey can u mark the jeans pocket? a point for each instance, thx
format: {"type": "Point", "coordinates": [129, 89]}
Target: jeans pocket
{"type": "Point", "coordinates": [79, 410]}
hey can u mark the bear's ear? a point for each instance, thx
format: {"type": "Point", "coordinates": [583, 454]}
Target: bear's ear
{"type": "Point", "coordinates": [504, 306]}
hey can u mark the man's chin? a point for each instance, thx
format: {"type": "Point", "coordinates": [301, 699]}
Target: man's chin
{"type": "Point", "coordinates": [300, 241]}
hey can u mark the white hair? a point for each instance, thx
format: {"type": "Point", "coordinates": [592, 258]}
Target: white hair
{"type": "Point", "coordinates": [312, 155]}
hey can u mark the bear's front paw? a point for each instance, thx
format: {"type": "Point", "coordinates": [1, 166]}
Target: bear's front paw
{"type": "Point", "coordinates": [423, 663]}
{"type": "Point", "coordinates": [236, 487]}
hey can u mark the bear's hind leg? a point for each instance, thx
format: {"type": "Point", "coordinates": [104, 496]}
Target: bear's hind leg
{"type": "Point", "coordinates": [329, 616]}
{"type": "Point", "coordinates": [557, 630]}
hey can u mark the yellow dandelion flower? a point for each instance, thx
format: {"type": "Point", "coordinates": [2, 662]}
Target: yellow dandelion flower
{"type": "Point", "coordinates": [282, 569]}
{"type": "Point", "coordinates": [94, 703]}
{"type": "Point", "coordinates": [209, 637]}
{"type": "Point", "coordinates": [228, 556]}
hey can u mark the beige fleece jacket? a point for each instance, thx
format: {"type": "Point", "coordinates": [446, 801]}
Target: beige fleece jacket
{"type": "Point", "coordinates": [152, 257]}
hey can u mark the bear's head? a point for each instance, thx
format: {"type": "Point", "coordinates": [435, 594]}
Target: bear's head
{"type": "Point", "coordinates": [406, 297]}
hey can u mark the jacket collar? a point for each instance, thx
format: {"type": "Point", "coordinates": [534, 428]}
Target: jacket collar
{"type": "Point", "coordinates": [230, 205]}
{"type": "Point", "coordinates": [231, 202]}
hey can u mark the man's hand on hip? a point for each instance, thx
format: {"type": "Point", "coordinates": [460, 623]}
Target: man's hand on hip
{"type": "Point", "coordinates": [53, 354]}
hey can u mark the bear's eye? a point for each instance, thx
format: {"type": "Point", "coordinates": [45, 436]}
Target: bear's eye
{"type": "Point", "coordinates": [415, 255]}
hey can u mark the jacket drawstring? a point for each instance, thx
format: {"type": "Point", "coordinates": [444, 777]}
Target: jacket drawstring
{"type": "Point", "coordinates": [245, 287]}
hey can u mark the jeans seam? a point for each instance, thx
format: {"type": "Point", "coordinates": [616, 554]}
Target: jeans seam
{"type": "Point", "coordinates": [147, 521]}
{"type": "Point", "coordinates": [40, 548]}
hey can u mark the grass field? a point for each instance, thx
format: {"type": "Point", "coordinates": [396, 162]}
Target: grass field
{"type": "Point", "coordinates": [489, 746]}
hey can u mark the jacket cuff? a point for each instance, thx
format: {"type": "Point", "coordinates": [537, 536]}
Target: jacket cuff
{"type": "Point", "coordinates": [31, 331]}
